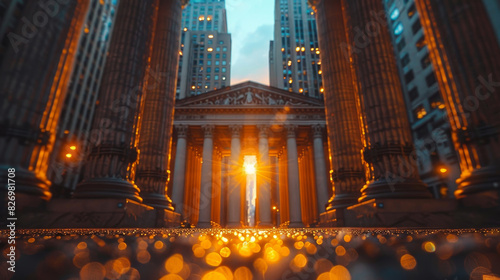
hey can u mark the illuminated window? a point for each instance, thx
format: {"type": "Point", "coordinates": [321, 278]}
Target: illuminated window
{"type": "Point", "coordinates": [394, 14]}
{"type": "Point", "coordinates": [420, 112]}
{"type": "Point", "coordinates": [210, 49]}
{"type": "Point", "coordinates": [398, 30]}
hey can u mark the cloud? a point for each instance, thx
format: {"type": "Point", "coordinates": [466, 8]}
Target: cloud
{"type": "Point", "coordinates": [251, 56]}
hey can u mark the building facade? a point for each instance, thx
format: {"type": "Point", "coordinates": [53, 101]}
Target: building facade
{"type": "Point", "coordinates": [282, 133]}
{"type": "Point", "coordinates": [205, 55]}
{"type": "Point", "coordinates": [294, 61]}
{"type": "Point", "coordinates": [437, 159]}
{"type": "Point", "coordinates": [76, 117]}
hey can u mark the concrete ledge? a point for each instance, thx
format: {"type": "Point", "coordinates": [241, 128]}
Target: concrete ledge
{"type": "Point", "coordinates": [98, 213]}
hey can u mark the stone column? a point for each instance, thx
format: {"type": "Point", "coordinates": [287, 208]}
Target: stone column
{"type": "Point", "coordinates": [390, 150]}
{"type": "Point", "coordinates": [111, 164]}
{"type": "Point", "coordinates": [264, 174]}
{"type": "Point", "coordinates": [235, 169]}
{"type": "Point", "coordinates": [320, 168]}
{"type": "Point", "coordinates": [466, 55]}
{"type": "Point", "coordinates": [283, 187]}
{"type": "Point", "coordinates": [293, 177]}
{"type": "Point", "coordinates": [342, 106]}
{"type": "Point", "coordinates": [216, 186]}
{"type": "Point", "coordinates": [34, 76]}
{"type": "Point", "coordinates": [158, 110]}
{"type": "Point", "coordinates": [206, 178]}
{"type": "Point", "coordinates": [180, 168]}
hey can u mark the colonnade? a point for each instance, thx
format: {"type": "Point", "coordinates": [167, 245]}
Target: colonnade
{"type": "Point", "coordinates": [200, 194]}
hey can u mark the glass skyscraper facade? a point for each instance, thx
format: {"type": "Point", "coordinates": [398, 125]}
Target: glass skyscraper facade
{"type": "Point", "coordinates": [205, 55]}
{"type": "Point", "coordinates": [295, 63]}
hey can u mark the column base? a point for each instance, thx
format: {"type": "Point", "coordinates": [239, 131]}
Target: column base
{"type": "Point", "coordinates": [342, 201]}
{"type": "Point", "coordinates": [296, 225]}
{"type": "Point", "coordinates": [108, 188]}
{"type": "Point", "coordinates": [265, 225]}
{"type": "Point", "coordinates": [204, 225]}
{"type": "Point", "coordinates": [26, 182]}
{"type": "Point", "coordinates": [398, 188]}
{"type": "Point", "coordinates": [425, 213]}
{"type": "Point", "coordinates": [482, 180]}
{"type": "Point", "coordinates": [157, 201]}
{"type": "Point", "coordinates": [99, 213]}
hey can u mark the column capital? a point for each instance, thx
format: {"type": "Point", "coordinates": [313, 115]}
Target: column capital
{"type": "Point", "coordinates": [263, 131]}
{"type": "Point", "coordinates": [208, 130]}
{"type": "Point", "coordinates": [182, 130]}
{"type": "Point", "coordinates": [291, 130]}
{"type": "Point", "coordinates": [317, 130]}
{"type": "Point", "coordinates": [235, 130]}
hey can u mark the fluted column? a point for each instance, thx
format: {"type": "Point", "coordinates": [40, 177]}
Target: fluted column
{"type": "Point", "coordinates": [157, 114]}
{"type": "Point", "coordinates": [390, 151]}
{"type": "Point", "coordinates": [180, 168]}
{"type": "Point", "coordinates": [341, 102]}
{"type": "Point", "coordinates": [206, 177]}
{"type": "Point", "coordinates": [283, 187]}
{"type": "Point", "coordinates": [235, 179]}
{"type": "Point", "coordinates": [34, 77]}
{"type": "Point", "coordinates": [466, 58]}
{"type": "Point", "coordinates": [110, 167]}
{"type": "Point", "coordinates": [293, 177]}
{"type": "Point", "coordinates": [216, 185]}
{"type": "Point", "coordinates": [320, 168]}
{"type": "Point", "coordinates": [264, 178]}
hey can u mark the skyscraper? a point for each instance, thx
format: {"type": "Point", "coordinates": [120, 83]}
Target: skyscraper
{"type": "Point", "coordinates": [78, 111]}
{"type": "Point", "coordinates": [437, 160]}
{"type": "Point", "coordinates": [10, 15]}
{"type": "Point", "coordinates": [295, 63]}
{"type": "Point", "coordinates": [205, 56]}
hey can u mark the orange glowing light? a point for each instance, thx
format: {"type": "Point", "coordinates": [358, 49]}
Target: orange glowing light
{"type": "Point", "coordinates": [250, 169]}
{"type": "Point", "coordinates": [443, 170]}
{"type": "Point", "coordinates": [72, 148]}
{"type": "Point", "coordinates": [69, 155]}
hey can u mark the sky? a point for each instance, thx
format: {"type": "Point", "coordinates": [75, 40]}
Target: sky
{"type": "Point", "coordinates": [251, 24]}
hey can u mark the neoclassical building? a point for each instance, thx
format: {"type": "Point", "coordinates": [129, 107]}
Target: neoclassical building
{"type": "Point", "coordinates": [215, 134]}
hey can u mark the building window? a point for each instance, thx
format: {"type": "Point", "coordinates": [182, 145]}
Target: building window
{"type": "Point", "coordinates": [412, 10]}
{"type": "Point", "coordinates": [416, 27]}
{"type": "Point", "coordinates": [409, 76]}
{"type": "Point", "coordinates": [430, 79]}
{"type": "Point", "coordinates": [395, 14]}
{"type": "Point", "coordinates": [398, 30]}
{"type": "Point", "coordinates": [419, 112]}
{"type": "Point", "coordinates": [421, 43]}
{"type": "Point", "coordinates": [425, 61]}
{"type": "Point", "coordinates": [413, 94]}
{"type": "Point", "coordinates": [401, 44]}
{"type": "Point", "coordinates": [436, 101]}
{"type": "Point", "coordinates": [405, 60]}
{"type": "Point", "coordinates": [221, 42]}
{"type": "Point", "coordinates": [216, 77]}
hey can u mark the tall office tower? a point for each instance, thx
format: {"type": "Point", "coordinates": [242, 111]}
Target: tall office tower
{"type": "Point", "coordinates": [437, 159]}
{"type": "Point", "coordinates": [296, 64]}
{"type": "Point", "coordinates": [10, 15]}
{"type": "Point", "coordinates": [205, 56]}
{"type": "Point", "coordinates": [78, 111]}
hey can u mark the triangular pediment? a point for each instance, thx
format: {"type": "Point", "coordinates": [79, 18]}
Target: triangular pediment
{"type": "Point", "coordinates": [249, 94]}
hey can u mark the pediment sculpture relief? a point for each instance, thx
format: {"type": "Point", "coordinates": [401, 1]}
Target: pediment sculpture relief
{"type": "Point", "coordinates": [250, 98]}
